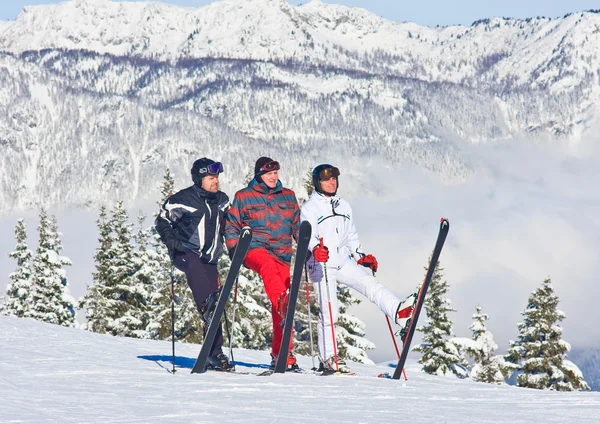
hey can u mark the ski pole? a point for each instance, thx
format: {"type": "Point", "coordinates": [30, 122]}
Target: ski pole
{"type": "Point", "coordinates": [395, 344]}
{"type": "Point", "coordinates": [337, 367]}
{"type": "Point", "coordinates": [172, 317]}
{"type": "Point", "coordinates": [392, 334]}
{"type": "Point", "coordinates": [235, 292]}
{"type": "Point", "coordinates": [229, 336]}
{"type": "Point", "coordinates": [312, 353]}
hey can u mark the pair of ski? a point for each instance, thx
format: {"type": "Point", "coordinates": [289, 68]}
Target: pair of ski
{"type": "Point", "coordinates": [236, 264]}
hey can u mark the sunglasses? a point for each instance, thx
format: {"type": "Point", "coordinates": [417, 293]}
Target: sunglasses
{"type": "Point", "coordinates": [328, 173]}
{"type": "Point", "coordinates": [270, 166]}
{"type": "Point", "coordinates": [213, 168]}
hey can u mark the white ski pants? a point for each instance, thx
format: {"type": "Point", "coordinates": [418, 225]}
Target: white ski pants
{"type": "Point", "coordinates": [354, 276]}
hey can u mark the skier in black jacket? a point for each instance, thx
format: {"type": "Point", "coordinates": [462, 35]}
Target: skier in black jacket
{"type": "Point", "coordinates": [191, 225]}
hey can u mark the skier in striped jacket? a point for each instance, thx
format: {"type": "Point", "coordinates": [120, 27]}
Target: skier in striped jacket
{"type": "Point", "coordinates": [273, 214]}
{"type": "Point", "coordinates": [337, 256]}
{"type": "Point", "coordinates": [191, 224]}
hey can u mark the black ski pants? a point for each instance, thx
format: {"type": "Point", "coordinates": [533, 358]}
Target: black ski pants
{"type": "Point", "coordinates": [203, 279]}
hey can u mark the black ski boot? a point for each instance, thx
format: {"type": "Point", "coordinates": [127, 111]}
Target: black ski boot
{"type": "Point", "coordinates": [219, 362]}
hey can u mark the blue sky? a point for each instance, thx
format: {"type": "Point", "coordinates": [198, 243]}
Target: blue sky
{"type": "Point", "coordinates": [431, 13]}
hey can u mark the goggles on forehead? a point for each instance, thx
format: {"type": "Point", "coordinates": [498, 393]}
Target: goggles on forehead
{"type": "Point", "coordinates": [328, 173]}
{"type": "Point", "coordinates": [270, 166]}
{"type": "Point", "coordinates": [213, 168]}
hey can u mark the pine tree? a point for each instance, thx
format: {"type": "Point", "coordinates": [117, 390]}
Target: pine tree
{"type": "Point", "coordinates": [487, 365]}
{"type": "Point", "coordinates": [349, 330]}
{"type": "Point", "coordinates": [116, 303]}
{"type": "Point", "coordinates": [307, 183]}
{"type": "Point", "coordinates": [540, 353]}
{"type": "Point", "coordinates": [95, 303]}
{"type": "Point", "coordinates": [18, 291]}
{"type": "Point", "coordinates": [147, 277]}
{"type": "Point", "coordinates": [440, 356]}
{"type": "Point", "coordinates": [51, 300]}
{"type": "Point", "coordinates": [67, 301]}
{"type": "Point", "coordinates": [128, 310]}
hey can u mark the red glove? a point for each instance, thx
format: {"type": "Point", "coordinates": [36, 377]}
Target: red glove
{"type": "Point", "coordinates": [369, 261]}
{"type": "Point", "coordinates": [321, 252]}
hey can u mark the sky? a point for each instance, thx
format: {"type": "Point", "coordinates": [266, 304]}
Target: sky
{"type": "Point", "coordinates": [53, 374]}
{"type": "Point", "coordinates": [429, 13]}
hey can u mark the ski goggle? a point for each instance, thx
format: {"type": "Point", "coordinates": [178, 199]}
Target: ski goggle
{"type": "Point", "coordinates": [213, 168]}
{"type": "Point", "coordinates": [270, 166]}
{"type": "Point", "coordinates": [328, 173]}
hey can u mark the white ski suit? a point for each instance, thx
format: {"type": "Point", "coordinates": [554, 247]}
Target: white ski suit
{"type": "Point", "coordinates": [331, 219]}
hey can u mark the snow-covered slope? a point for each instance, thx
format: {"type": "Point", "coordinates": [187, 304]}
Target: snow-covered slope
{"type": "Point", "coordinates": [55, 374]}
{"type": "Point", "coordinates": [99, 96]}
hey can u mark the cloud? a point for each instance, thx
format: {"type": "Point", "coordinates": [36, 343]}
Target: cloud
{"type": "Point", "coordinates": [525, 213]}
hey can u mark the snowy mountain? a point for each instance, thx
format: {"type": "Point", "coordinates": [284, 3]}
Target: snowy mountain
{"type": "Point", "coordinates": [57, 374]}
{"type": "Point", "coordinates": [588, 360]}
{"type": "Point", "coordinates": [98, 97]}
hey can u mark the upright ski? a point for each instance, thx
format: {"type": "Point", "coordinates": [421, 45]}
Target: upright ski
{"type": "Point", "coordinates": [301, 252]}
{"type": "Point", "coordinates": [407, 339]}
{"type": "Point", "coordinates": [213, 325]}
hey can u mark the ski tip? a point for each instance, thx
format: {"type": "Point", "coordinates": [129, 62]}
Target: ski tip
{"type": "Point", "coordinates": [245, 230]}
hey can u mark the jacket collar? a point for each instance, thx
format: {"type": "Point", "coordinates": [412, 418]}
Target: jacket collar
{"type": "Point", "coordinates": [319, 197]}
{"type": "Point", "coordinates": [205, 194]}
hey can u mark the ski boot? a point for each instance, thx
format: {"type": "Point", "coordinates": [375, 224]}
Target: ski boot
{"type": "Point", "coordinates": [219, 362]}
{"type": "Point", "coordinates": [404, 314]}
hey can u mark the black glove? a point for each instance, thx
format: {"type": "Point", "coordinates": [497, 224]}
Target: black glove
{"type": "Point", "coordinates": [174, 246]}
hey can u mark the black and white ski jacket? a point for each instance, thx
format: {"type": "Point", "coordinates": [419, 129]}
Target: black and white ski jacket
{"type": "Point", "coordinates": [194, 217]}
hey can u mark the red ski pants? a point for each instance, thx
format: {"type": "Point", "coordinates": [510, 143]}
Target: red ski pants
{"type": "Point", "coordinates": [275, 275]}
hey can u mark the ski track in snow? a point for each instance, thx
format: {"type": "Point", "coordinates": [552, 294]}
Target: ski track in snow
{"type": "Point", "coordinates": [54, 374]}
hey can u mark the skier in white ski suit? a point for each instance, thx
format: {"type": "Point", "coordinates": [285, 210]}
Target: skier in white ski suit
{"type": "Point", "coordinates": [340, 259]}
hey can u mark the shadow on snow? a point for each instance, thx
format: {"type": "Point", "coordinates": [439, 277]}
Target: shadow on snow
{"type": "Point", "coordinates": [165, 362]}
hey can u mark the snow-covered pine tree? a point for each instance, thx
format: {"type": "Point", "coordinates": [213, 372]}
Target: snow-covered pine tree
{"type": "Point", "coordinates": [51, 300]}
{"type": "Point", "coordinates": [128, 311]}
{"type": "Point", "coordinates": [486, 368]}
{"type": "Point", "coordinates": [95, 303]}
{"type": "Point", "coordinates": [540, 353]}
{"type": "Point", "coordinates": [188, 324]}
{"type": "Point", "coordinates": [440, 355]}
{"type": "Point", "coordinates": [349, 330]}
{"type": "Point", "coordinates": [148, 275]}
{"type": "Point", "coordinates": [18, 291]}
{"type": "Point", "coordinates": [67, 301]}
{"type": "Point", "coordinates": [116, 303]}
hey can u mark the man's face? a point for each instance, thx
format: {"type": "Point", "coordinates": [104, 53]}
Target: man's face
{"type": "Point", "coordinates": [271, 178]}
{"type": "Point", "coordinates": [329, 186]}
{"type": "Point", "coordinates": [210, 183]}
